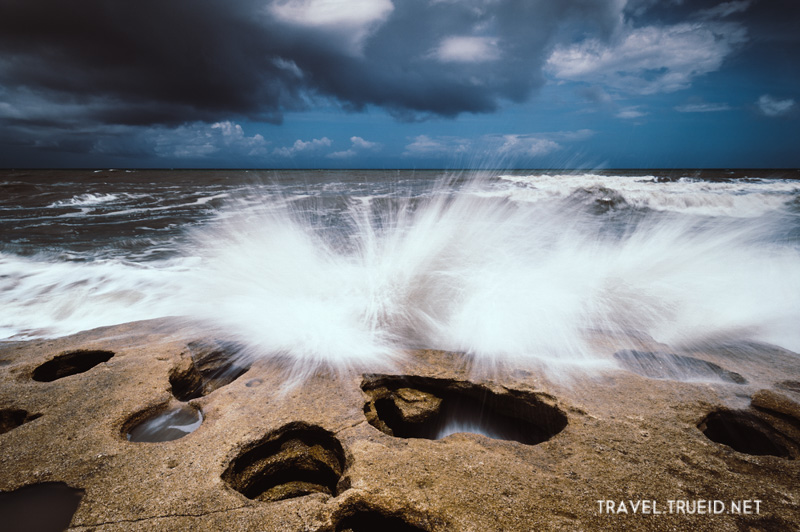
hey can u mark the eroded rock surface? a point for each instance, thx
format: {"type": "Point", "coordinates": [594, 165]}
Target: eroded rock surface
{"type": "Point", "coordinates": [207, 366]}
{"type": "Point", "coordinates": [529, 450]}
{"type": "Point", "coordinates": [408, 406]}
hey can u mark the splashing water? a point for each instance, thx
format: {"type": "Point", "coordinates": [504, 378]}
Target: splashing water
{"type": "Point", "coordinates": [466, 267]}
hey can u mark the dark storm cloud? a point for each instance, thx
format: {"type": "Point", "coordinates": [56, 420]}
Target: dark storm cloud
{"type": "Point", "coordinates": [171, 62]}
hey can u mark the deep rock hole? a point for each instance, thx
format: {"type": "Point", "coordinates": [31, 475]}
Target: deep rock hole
{"type": "Point", "coordinates": [372, 520]}
{"type": "Point", "coordinates": [746, 433]}
{"type": "Point", "coordinates": [674, 367]}
{"type": "Point", "coordinates": [41, 507]}
{"type": "Point", "coordinates": [419, 407]}
{"type": "Point", "coordinates": [70, 363]}
{"type": "Point", "coordinates": [210, 366]}
{"type": "Point", "coordinates": [297, 459]}
{"type": "Point", "coordinates": [11, 418]}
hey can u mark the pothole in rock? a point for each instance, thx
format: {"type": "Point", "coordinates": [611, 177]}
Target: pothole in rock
{"type": "Point", "coordinates": [674, 367]}
{"type": "Point", "coordinates": [160, 425]}
{"type": "Point", "coordinates": [297, 459]}
{"type": "Point", "coordinates": [373, 520]}
{"type": "Point", "coordinates": [210, 366]}
{"type": "Point", "coordinates": [11, 418]}
{"type": "Point", "coordinates": [70, 363]}
{"type": "Point", "coordinates": [421, 407]}
{"type": "Point", "coordinates": [42, 507]}
{"type": "Point", "coordinates": [747, 433]}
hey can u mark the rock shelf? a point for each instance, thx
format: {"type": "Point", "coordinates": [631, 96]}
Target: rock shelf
{"type": "Point", "coordinates": [434, 445]}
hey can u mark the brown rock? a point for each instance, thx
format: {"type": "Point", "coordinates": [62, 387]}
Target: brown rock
{"type": "Point", "coordinates": [565, 450]}
{"type": "Point", "coordinates": [776, 402]}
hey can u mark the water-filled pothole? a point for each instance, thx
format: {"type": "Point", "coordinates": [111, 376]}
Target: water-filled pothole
{"type": "Point", "coordinates": [746, 433]}
{"type": "Point", "coordinates": [211, 365]}
{"type": "Point", "coordinates": [42, 507]}
{"type": "Point", "coordinates": [372, 520]}
{"type": "Point", "coordinates": [163, 425]}
{"type": "Point", "coordinates": [297, 459]}
{"type": "Point", "coordinates": [674, 367]}
{"type": "Point", "coordinates": [420, 407]}
{"type": "Point", "coordinates": [11, 418]}
{"type": "Point", "coordinates": [70, 363]}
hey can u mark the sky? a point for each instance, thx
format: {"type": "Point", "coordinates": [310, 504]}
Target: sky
{"type": "Point", "coordinates": [400, 84]}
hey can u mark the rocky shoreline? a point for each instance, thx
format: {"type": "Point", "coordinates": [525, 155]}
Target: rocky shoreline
{"type": "Point", "coordinates": [626, 447]}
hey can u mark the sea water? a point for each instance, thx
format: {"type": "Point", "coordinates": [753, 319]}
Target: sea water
{"type": "Point", "coordinates": [348, 268]}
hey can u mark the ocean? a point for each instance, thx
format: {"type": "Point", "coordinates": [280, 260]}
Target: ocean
{"type": "Point", "coordinates": [350, 267]}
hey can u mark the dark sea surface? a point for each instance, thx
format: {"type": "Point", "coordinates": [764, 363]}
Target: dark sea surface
{"type": "Point", "coordinates": [335, 265]}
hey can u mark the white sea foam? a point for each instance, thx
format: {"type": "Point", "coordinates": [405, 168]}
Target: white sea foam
{"type": "Point", "coordinates": [86, 199]}
{"type": "Point", "coordinates": [47, 296]}
{"type": "Point", "coordinates": [737, 198]}
{"type": "Point", "coordinates": [503, 280]}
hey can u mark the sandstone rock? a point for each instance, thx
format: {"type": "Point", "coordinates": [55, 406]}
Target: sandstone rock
{"type": "Point", "coordinates": [776, 402]}
{"type": "Point", "coordinates": [321, 457]}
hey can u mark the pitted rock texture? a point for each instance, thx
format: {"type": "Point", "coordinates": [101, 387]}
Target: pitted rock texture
{"type": "Point", "coordinates": [748, 433]}
{"type": "Point", "coordinates": [305, 456]}
{"type": "Point", "coordinates": [11, 418]}
{"type": "Point", "coordinates": [407, 406]}
{"type": "Point", "coordinates": [296, 460]}
{"type": "Point", "coordinates": [208, 366]}
{"type": "Point", "coordinates": [70, 363]}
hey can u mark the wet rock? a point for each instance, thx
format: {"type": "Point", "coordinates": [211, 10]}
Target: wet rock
{"type": "Point", "coordinates": [598, 199]}
{"type": "Point", "coordinates": [41, 507]}
{"type": "Point", "coordinates": [208, 367]}
{"type": "Point", "coordinates": [163, 424]}
{"type": "Point", "coordinates": [657, 365]}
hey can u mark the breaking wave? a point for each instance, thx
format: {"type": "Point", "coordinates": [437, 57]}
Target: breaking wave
{"type": "Point", "coordinates": [480, 267]}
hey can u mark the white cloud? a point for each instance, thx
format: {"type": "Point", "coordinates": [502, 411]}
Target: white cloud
{"type": "Point", "coordinates": [301, 146]}
{"type": "Point", "coordinates": [724, 9]}
{"type": "Point", "coordinates": [571, 136]}
{"type": "Point", "coordinates": [358, 144]}
{"type": "Point", "coordinates": [233, 135]}
{"type": "Point", "coordinates": [630, 112]}
{"type": "Point", "coordinates": [346, 154]}
{"type": "Point", "coordinates": [651, 59]}
{"type": "Point", "coordinates": [774, 107]}
{"type": "Point", "coordinates": [518, 145]}
{"type": "Point", "coordinates": [425, 146]}
{"type": "Point", "coordinates": [351, 20]}
{"type": "Point", "coordinates": [198, 140]}
{"type": "Point", "coordinates": [465, 49]}
{"type": "Point", "coordinates": [702, 107]}
{"type": "Point", "coordinates": [490, 147]}
{"type": "Point", "coordinates": [288, 65]}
